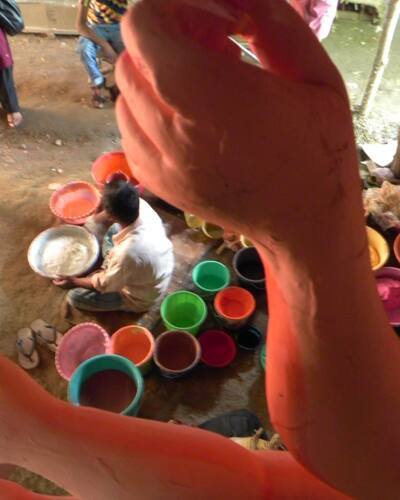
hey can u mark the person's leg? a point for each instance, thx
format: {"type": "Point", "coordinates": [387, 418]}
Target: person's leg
{"type": "Point", "coordinates": [88, 51]}
{"type": "Point", "coordinates": [113, 35]}
{"type": "Point", "coordinates": [8, 97]}
{"type": "Point", "coordinates": [115, 38]}
{"type": "Point", "coordinates": [91, 300]}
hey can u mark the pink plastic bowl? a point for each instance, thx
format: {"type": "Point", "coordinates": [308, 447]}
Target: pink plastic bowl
{"type": "Point", "coordinates": [75, 201]}
{"type": "Point", "coordinates": [113, 163]}
{"type": "Point", "coordinates": [217, 348]}
{"type": "Point", "coordinates": [394, 274]}
{"type": "Point", "coordinates": [79, 344]}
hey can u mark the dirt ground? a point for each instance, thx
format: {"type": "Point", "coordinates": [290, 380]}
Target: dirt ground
{"type": "Point", "coordinates": [58, 142]}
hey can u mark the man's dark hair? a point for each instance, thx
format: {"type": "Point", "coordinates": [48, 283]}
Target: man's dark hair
{"type": "Point", "coordinates": [121, 201]}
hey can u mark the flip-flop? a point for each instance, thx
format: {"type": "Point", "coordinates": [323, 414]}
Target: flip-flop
{"type": "Point", "coordinates": [46, 334]}
{"type": "Point", "coordinates": [28, 357]}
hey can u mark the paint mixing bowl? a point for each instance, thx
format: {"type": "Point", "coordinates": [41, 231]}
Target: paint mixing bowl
{"type": "Point", "coordinates": [75, 202]}
{"type": "Point", "coordinates": [217, 348]}
{"type": "Point", "coordinates": [183, 311]}
{"type": "Point", "coordinates": [234, 306]}
{"type": "Point", "coordinates": [212, 231]}
{"type": "Point", "coordinates": [249, 269]}
{"type": "Point", "coordinates": [263, 356]}
{"type": "Point", "coordinates": [210, 276]}
{"type": "Point", "coordinates": [192, 221]}
{"type": "Point", "coordinates": [107, 382]}
{"type": "Point", "coordinates": [245, 242]}
{"type": "Point", "coordinates": [249, 338]}
{"type": "Point", "coordinates": [176, 353]}
{"type": "Point", "coordinates": [388, 284]}
{"type": "Point", "coordinates": [378, 249]}
{"type": "Point", "coordinates": [135, 343]}
{"type": "Point", "coordinates": [82, 342]}
{"type": "Point", "coordinates": [396, 248]}
{"type": "Point", "coordinates": [113, 163]}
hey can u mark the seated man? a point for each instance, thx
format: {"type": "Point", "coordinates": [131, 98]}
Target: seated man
{"type": "Point", "coordinates": [138, 267]}
{"type": "Point", "coordinates": [98, 24]}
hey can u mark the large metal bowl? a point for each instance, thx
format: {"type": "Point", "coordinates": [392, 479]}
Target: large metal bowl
{"type": "Point", "coordinates": [63, 251]}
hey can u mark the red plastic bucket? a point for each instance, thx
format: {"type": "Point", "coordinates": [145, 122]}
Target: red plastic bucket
{"type": "Point", "coordinates": [113, 163]}
{"type": "Point", "coordinates": [234, 306]}
{"type": "Point", "coordinates": [217, 348]}
{"type": "Point", "coordinates": [135, 343]}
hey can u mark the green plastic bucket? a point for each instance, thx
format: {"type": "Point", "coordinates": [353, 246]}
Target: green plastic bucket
{"type": "Point", "coordinates": [107, 363]}
{"type": "Point", "coordinates": [262, 355]}
{"type": "Point", "coordinates": [183, 311]}
{"type": "Point", "coordinates": [210, 276]}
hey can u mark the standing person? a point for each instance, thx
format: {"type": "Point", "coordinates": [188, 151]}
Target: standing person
{"type": "Point", "coordinates": [98, 24]}
{"type": "Point", "coordinates": [8, 93]}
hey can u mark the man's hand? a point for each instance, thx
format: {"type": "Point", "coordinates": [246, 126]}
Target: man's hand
{"type": "Point", "coordinates": [71, 282]}
{"type": "Point", "coordinates": [64, 282]}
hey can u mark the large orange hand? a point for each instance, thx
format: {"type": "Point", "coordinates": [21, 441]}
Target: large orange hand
{"type": "Point", "coordinates": [248, 148]}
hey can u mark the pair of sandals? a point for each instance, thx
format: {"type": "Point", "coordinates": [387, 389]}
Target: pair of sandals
{"type": "Point", "coordinates": [39, 333]}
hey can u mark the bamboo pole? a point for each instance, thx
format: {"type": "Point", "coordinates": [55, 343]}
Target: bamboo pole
{"type": "Point", "coordinates": [381, 58]}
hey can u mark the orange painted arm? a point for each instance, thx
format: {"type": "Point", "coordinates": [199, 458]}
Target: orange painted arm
{"type": "Point", "coordinates": [96, 454]}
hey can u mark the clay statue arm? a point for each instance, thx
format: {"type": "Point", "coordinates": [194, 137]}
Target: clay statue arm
{"type": "Point", "coordinates": [271, 153]}
{"type": "Point", "coordinates": [103, 456]}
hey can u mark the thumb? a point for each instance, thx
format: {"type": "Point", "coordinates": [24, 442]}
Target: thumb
{"type": "Point", "coordinates": [284, 43]}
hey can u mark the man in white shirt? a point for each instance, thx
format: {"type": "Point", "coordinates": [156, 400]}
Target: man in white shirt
{"type": "Point", "coordinates": [137, 270]}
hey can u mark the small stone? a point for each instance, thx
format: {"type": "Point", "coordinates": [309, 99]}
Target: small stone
{"type": "Point", "coordinates": [58, 142]}
{"type": "Point", "coordinates": [60, 170]}
{"type": "Point", "coordinates": [23, 146]}
{"type": "Point", "coordinates": [54, 186]}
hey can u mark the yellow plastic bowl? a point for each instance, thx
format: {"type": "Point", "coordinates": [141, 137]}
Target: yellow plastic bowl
{"type": "Point", "coordinates": [245, 242]}
{"type": "Point", "coordinates": [212, 231]}
{"type": "Point", "coordinates": [192, 221]}
{"type": "Point", "coordinates": [378, 249]}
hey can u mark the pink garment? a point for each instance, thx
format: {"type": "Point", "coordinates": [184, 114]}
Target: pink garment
{"type": "Point", "coordinates": [6, 59]}
{"type": "Point", "coordinates": [389, 292]}
{"type": "Point", "coordinates": [319, 15]}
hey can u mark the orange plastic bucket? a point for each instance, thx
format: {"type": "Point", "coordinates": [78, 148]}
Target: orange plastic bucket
{"type": "Point", "coordinates": [112, 163]}
{"type": "Point", "coordinates": [234, 306]}
{"type": "Point", "coordinates": [75, 201]}
{"type": "Point", "coordinates": [135, 343]}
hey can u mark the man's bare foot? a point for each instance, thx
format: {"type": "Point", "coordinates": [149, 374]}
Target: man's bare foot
{"type": "Point", "coordinates": [14, 120]}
